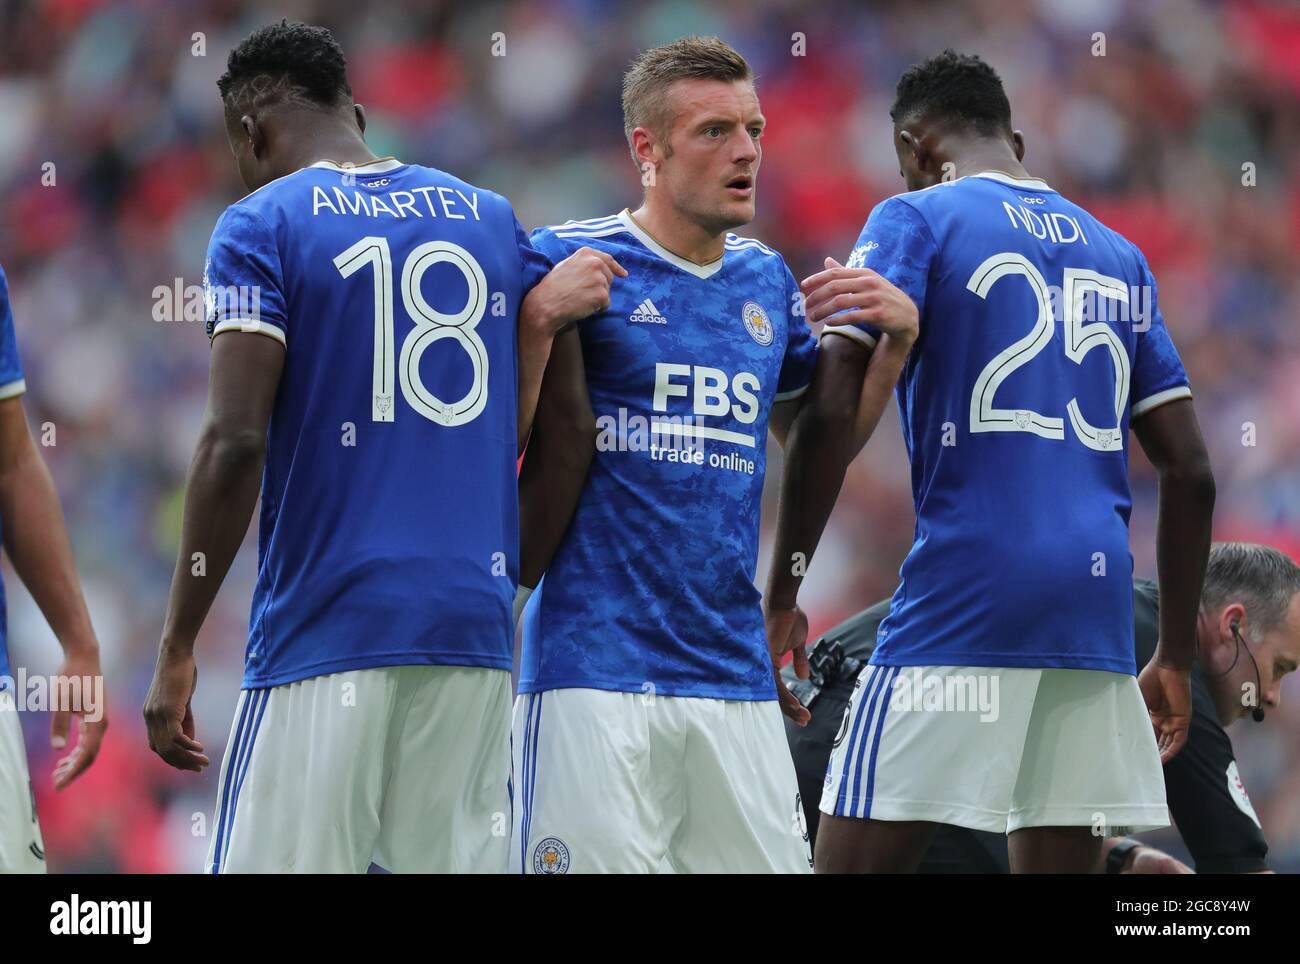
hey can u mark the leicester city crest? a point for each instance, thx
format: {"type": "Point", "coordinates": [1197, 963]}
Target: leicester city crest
{"type": "Point", "coordinates": [551, 856]}
{"type": "Point", "coordinates": [757, 323]}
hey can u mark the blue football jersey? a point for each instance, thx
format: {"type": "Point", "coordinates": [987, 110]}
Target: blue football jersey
{"type": "Point", "coordinates": [11, 385]}
{"type": "Point", "coordinates": [389, 525]}
{"type": "Point", "coordinates": [1040, 340]}
{"type": "Point", "coordinates": [652, 589]}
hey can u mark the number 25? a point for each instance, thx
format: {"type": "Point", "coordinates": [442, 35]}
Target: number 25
{"type": "Point", "coordinates": [1080, 339]}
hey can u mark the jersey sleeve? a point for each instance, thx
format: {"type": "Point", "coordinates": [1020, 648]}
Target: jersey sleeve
{"type": "Point", "coordinates": [536, 264]}
{"type": "Point", "coordinates": [11, 369]}
{"type": "Point", "coordinates": [1207, 799]}
{"type": "Point", "coordinates": [897, 244]}
{"type": "Point", "coordinates": [1158, 373]}
{"type": "Point", "coordinates": [243, 280]}
{"type": "Point", "coordinates": [800, 346]}
{"type": "Point", "coordinates": [544, 241]}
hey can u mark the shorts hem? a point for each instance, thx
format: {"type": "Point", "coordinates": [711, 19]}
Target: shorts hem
{"type": "Point", "coordinates": [956, 815]}
{"type": "Point", "coordinates": [1127, 818]}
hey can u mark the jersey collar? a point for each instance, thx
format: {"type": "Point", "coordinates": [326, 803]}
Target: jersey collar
{"type": "Point", "coordinates": [699, 270]}
{"type": "Point", "coordinates": [1029, 183]}
{"type": "Point", "coordinates": [379, 166]}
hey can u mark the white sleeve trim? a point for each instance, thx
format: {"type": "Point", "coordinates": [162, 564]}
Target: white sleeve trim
{"type": "Point", "coordinates": [13, 389]}
{"type": "Point", "coordinates": [848, 331]}
{"type": "Point", "coordinates": [1158, 399]}
{"type": "Point", "coordinates": [249, 324]}
{"type": "Point", "coordinates": [792, 394]}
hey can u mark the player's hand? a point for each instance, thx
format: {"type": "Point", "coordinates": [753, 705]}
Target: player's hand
{"type": "Point", "coordinates": [1149, 860]}
{"type": "Point", "coordinates": [1168, 695]}
{"type": "Point", "coordinates": [576, 287]}
{"type": "Point", "coordinates": [787, 632]}
{"type": "Point", "coordinates": [167, 714]}
{"type": "Point", "coordinates": [82, 663]}
{"type": "Point", "coordinates": [872, 298]}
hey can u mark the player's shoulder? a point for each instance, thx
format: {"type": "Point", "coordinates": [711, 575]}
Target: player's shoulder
{"type": "Point", "coordinates": [753, 253]}
{"type": "Point", "coordinates": [610, 232]}
{"type": "Point", "coordinates": [437, 177]}
{"type": "Point", "coordinates": [750, 248]}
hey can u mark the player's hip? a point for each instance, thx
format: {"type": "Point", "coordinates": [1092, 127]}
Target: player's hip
{"type": "Point", "coordinates": [996, 748]}
{"type": "Point", "coordinates": [331, 772]}
{"type": "Point", "coordinates": [22, 850]}
{"type": "Point", "coordinates": [609, 781]}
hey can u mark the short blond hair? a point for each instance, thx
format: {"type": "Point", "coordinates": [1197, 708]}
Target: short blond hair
{"type": "Point", "coordinates": [653, 71]}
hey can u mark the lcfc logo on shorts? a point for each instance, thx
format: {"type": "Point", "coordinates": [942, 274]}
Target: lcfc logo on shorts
{"type": "Point", "coordinates": [757, 323]}
{"type": "Point", "coordinates": [551, 857]}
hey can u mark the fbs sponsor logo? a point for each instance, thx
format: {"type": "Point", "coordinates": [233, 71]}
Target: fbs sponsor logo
{"type": "Point", "coordinates": [551, 856]}
{"type": "Point", "coordinates": [132, 918]}
{"type": "Point", "coordinates": [647, 314]}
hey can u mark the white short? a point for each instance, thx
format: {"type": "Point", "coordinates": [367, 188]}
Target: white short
{"type": "Point", "coordinates": [609, 782]}
{"type": "Point", "coordinates": [22, 851]}
{"type": "Point", "coordinates": [407, 767]}
{"type": "Point", "coordinates": [998, 750]}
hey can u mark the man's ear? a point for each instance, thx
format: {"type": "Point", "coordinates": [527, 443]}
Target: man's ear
{"type": "Point", "coordinates": [360, 114]}
{"type": "Point", "coordinates": [919, 149]}
{"type": "Point", "coordinates": [646, 147]}
{"type": "Point", "coordinates": [256, 136]}
{"type": "Point", "coordinates": [1233, 614]}
{"type": "Point", "coordinates": [1018, 144]}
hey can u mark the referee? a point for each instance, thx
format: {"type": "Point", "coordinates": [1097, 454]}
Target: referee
{"type": "Point", "coordinates": [1248, 638]}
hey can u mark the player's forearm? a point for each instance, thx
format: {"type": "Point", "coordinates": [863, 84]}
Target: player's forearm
{"type": "Point", "coordinates": [559, 457]}
{"type": "Point", "coordinates": [886, 364]}
{"type": "Point", "coordinates": [221, 493]}
{"type": "Point", "coordinates": [1184, 522]}
{"type": "Point", "coordinates": [534, 351]}
{"type": "Point", "coordinates": [36, 538]}
{"type": "Point", "coordinates": [820, 445]}
{"type": "Point", "coordinates": [818, 451]}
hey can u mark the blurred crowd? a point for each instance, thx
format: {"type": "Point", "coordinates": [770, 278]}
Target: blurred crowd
{"type": "Point", "coordinates": [1174, 121]}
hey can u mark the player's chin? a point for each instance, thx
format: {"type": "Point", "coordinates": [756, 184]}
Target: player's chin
{"type": "Point", "coordinates": [739, 207]}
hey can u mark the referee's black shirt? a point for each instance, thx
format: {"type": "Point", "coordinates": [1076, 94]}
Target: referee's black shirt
{"type": "Point", "coordinates": [1208, 804]}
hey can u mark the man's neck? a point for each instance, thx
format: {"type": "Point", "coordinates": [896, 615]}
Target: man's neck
{"type": "Point", "coordinates": [682, 237]}
{"type": "Point", "coordinates": [343, 147]}
{"type": "Point", "coordinates": [978, 157]}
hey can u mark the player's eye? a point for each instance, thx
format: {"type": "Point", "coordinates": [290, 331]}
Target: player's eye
{"type": "Point", "coordinates": [713, 132]}
{"type": "Point", "coordinates": [756, 132]}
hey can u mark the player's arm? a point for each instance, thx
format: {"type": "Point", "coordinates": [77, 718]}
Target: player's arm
{"type": "Point", "coordinates": [220, 495]}
{"type": "Point", "coordinates": [1171, 438]}
{"type": "Point", "coordinates": [852, 382]}
{"type": "Point", "coordinates": [556, 463]}
{"type": "Point", "coordinates": [818, 449]}
{"type": "Point", "coordinates": [576, 287]}
{"type": "Point", "coordinates": [36, 538]}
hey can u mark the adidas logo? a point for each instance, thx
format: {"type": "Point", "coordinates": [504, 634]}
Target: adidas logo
{"type": "Point", "coordinates": [647, 313]}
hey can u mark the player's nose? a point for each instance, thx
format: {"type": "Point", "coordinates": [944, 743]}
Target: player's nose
{"type": "Point", "coordinates": [746, 149]}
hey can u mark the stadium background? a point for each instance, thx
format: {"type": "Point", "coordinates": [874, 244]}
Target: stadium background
{"type": "Point", "coordinates": [1151, 137]}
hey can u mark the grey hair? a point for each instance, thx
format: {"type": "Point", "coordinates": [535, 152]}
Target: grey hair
{"type": "Point", "coordinates": [1261, 578]}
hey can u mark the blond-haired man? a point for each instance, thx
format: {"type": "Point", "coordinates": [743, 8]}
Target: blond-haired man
{"type": "Point", "coordinates": [647, 730]}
